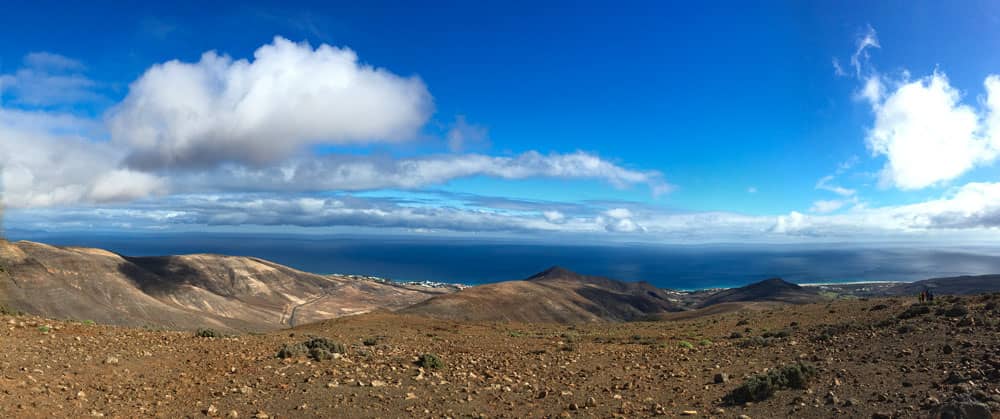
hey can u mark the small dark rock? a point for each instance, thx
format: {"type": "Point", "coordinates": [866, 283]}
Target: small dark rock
{"type": "Point", "coordinates": [955, 378]}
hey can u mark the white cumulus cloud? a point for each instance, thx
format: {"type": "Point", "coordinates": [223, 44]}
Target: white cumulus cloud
{"type": "Point", "coordinates": [258, 111]}
{"type": "Point", "coordinates": [928, 136]}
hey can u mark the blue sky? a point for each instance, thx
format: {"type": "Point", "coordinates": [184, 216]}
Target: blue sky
{"type": "Point", "coordinates": [647, 121]}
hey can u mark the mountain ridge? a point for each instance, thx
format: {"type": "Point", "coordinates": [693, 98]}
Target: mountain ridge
{"type": "Point", "coordinates": [555, 295]}
{"type": "Point", "coordinates": [768, 290]}
{"type": "Point", "coordinates": [230, 293]}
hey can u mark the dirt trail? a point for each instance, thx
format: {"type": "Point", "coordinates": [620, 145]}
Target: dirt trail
{"type": "Point", "coordinates": [295, 309]}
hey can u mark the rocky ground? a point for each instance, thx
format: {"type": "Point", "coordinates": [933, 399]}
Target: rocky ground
{"type": "Point", "coordinates": [872, 358]}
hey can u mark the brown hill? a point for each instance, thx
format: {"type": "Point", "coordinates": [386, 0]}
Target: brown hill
{"type": "Point", "coordinates": [959, 285]}
{"type": "Point", "coordinates": [774, 289]}
{"type": "Point", "coordinates": [553, 296]}
{"type": "Point", "coordinates": [183, 292]}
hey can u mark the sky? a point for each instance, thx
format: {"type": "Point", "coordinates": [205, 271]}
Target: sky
{"type": "Point", "coordinates": [661, 122]}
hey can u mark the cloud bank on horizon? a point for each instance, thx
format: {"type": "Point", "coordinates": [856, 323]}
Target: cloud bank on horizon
{"type": "Point", "coordinates": [313, 138]}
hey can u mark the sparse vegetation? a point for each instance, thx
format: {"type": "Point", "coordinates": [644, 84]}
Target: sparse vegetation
{"type": "Point", "coordinates": [685, 344]}
{"type": "Point", "coordinates": [44, 329]}
{"type": "Point", "coordinates": [762, 386]}
{"type": "Point", "coordinates": [370, 341]}
{"type": "Point", "coordinates": [705, 342]}
{"type": "Point", "coordinates": [430, 361]}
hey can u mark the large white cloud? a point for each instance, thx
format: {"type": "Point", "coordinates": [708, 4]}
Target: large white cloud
{"type": "Point", "coordinates": [927, 135]}
{"type": "Point", "coordinates": [225, 125]}
{"type": "Point", "coordinates": [288, 97]}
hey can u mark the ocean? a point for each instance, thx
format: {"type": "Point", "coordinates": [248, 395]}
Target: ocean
{"type": "Point", "coordinates": [473, 262]}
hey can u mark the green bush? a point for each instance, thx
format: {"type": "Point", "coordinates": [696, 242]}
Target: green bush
{"type": "Point", "coordinates": [430, 361]}
{"type": "Point", "coordinates": [291, 350]}
{"type": "Point", "coordinates": [762, 386]}
{"type": "Point", "coordinates": [323, 348]}
{"type": "Point", "coordinates": [781, 334]}
{"type": "Point", "coordinates": [757, 342]}
{"type": "Point", "coordinates": [317, 348]}
{"type": "Point", "coordinates": [685, 344]}
{"type": "Point", "coordinates": [207, 333]}
{"type": "Point", "coordinates": [705, 342]}
{"type": "Point", "coordinates": [44, 329]}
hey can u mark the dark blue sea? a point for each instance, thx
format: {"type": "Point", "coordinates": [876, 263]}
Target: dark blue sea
{"type": "Point", "coordinates": [477, 261]}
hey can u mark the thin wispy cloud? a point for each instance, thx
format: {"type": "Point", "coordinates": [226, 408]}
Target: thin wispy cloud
{"type": "Point", "coordinates": [46, 79]}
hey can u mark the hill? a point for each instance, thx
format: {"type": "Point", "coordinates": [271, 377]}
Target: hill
{"type": "Point", "coordinates": [555, 295]}
{"type": "Point", "coordinates": [773, 290]}
{"type": "Point", "coordinates": [958, 285]}
{"type": "Point", "coordinates": [183, 292]}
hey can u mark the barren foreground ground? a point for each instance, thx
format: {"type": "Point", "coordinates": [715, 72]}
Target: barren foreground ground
{"type": "Point", "coordinates": [868, 362]}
